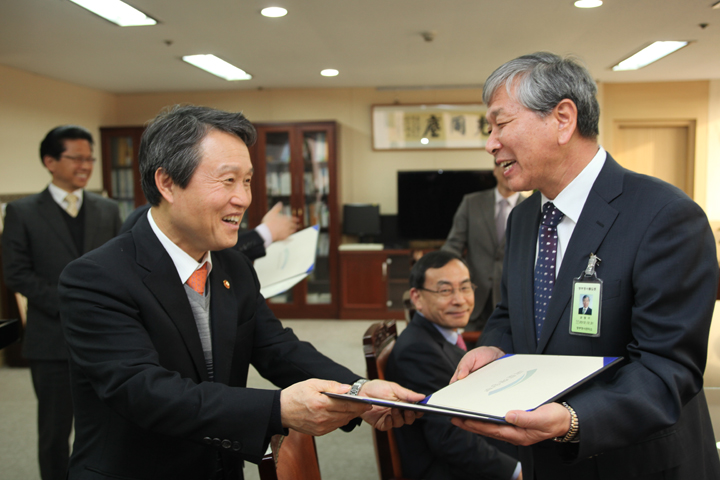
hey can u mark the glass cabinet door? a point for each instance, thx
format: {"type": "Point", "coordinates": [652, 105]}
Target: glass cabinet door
{"type": "Point", "coordinates": [278, 183]}
{"type": "Point", "coordinates": [121, 173]}
{"type": "Point", "coordinates": [316, 189]}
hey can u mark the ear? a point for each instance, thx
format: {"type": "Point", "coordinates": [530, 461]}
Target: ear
{"type": "Point", "coordinates": [565, 114]}
{"type": "Point", "coordinates": [49, 162]}
{"type": "Point", "coordinates": [415, 299]}
{"type": "Point", "coordinates": [165, 185]}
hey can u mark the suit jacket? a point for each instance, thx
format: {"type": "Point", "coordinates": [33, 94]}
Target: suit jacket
{"type": "Point", "coordinates": [37, 245]}
{"type": "Point", "coordinates": [145, 406]}
{"type": "Point", "coordinates": [660, 280]}
{"type": "Point", "coordinates": [432, 447]}
{"type": "Point", "coordinates": [474, 229]}
{"type": "Point", "coordinates": [589, 311]}
{"type": "Point", "coordinates": [249, 242]}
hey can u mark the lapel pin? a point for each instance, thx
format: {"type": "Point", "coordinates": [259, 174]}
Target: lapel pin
{"type": "Point", "coordinates": [227, 284]}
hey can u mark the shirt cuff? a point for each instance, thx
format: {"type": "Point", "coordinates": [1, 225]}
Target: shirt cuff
{"type": "Point", "coordinates": [516, 473]}
{"type": "Point", "coordinates": [265, 233]}
{"type": "Point", "coordinates": [275, 426]}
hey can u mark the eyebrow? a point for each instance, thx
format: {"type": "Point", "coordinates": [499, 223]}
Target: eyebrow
{"type": "Point", "coordinates": [445, 282]}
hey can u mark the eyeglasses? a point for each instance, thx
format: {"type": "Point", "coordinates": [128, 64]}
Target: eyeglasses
{"type": "Point", "coordinates": [466, 290]}
{"type": "Point", "coordinates": [79, 160]}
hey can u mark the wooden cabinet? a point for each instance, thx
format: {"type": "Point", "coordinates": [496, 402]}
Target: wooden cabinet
{"type": "Point", "coordinates": [373, 282]}
{"type": "Point", "coordinates": [121, 176]}
{"type": "Point", "coordinates": [296, 164]}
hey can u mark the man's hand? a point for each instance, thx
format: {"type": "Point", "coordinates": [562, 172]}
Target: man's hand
{"type": "Point", "coordinates": [280, 225]}
{"type": "Point", "coordinates": [385, 418]}
{"type": "Point", "coordinates": [549, 421]}
{"type": "Point", "coordinates": [304, 408]}
{"type": "Point", "coordinates": [474, 359]}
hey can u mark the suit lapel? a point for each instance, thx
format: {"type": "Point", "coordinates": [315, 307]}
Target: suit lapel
{"type": "Point", "coordinates": [224, 318]}
{"type": "Point", "coordinates": [452, 352]}
{"type": "Point", "coordinates": [163, 281]}
{"type": "Point", "coordinates": [487, 216]}
{"type": "Point", "coordinates": [527, 232]}
{"type": "Point", "coordinates": [50, 212]}
{"type": "Point", "coordinates": [595, 222]}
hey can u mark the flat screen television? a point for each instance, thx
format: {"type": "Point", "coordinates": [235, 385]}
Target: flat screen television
{"type": "Point", "coordinates": [428, 200]}
{"type": "Point", "coordinates": [362, 220]}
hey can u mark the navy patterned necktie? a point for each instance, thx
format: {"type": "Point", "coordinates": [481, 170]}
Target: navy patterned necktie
{"type": "Point", "coordinates": [545, 266]}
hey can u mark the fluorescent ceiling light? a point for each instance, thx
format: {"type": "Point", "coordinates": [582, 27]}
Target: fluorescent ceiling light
{"type": "Point", "coordinates": [117, 12]}
{"type": "Point", "coordinates": [588, 3]}
{"type": "Point", "coordinates": [216, 66]}
{"type": "Point", "coordinates": [329, 72]}
{"type": "Point", "coordinates": [648, 55]}
{"type": "Point", "coordinates": [273, 12]}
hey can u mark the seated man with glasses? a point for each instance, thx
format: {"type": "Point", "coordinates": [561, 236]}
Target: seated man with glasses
{"type": "Point", "coordinates": [424, 359]}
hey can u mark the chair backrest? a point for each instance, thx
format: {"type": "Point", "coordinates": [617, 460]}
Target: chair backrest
{"type": "Point", "coordinates": [378, 342]}
{"type": "Point", "coordinates": [297, 459]}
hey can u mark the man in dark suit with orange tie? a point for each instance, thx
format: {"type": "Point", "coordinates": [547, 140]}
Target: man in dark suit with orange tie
{"type": "Point", "coordinates": [163, 322]}
{"type": "Point", "coordinates": [646, 418]}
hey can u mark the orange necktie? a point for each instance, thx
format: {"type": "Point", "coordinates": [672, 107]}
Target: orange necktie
{"type": "Point", "coordinates": [197, 279]}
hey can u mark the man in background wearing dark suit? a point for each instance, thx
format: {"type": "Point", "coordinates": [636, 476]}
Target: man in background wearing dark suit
{"type": "Point", "coordinates": [646, 418]}
{"type": "Point", "coordinates": [275, 226]}
{"type": "Point", "coordinates": [424, 359]}
{"type": "Point", "coordinates": [479, 229]}
{"type": "Point", "coordinates": [163, 322]}
{"type": "Point", "coordinates": [43, 233]}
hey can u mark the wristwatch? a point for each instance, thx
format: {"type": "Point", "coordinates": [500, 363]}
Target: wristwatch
{"type": "Point", "coordinates": [574, 426]}
{"type": "Point", "coordinates": [355, 389]}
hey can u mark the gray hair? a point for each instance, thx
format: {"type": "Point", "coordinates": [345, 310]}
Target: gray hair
{"type": "Point", "coordinates": [172, 140]}
{"type": "Point", "coordinates": [542, 80]}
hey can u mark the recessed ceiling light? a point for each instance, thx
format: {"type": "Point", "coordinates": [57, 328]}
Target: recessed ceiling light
{"type": "Point", "coordinates": [273, 12]}
{"type": "Point", "coordinates": [329, 72]}
{"type": "Point", "coordinates": [588, 3]}
{"type": "Point", "coordinates": [648, 55]}
{"type": "Point", "coordinates": [217, 66]}
{"type": "Point", "coordinates": [119, 13]}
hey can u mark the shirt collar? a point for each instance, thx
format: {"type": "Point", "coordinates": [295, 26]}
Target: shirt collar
{"type": "Point", "coordinates": [449, 334]}
{"type": "Point", "coordinates": [572, 199]}
{"type": "Point", "coordinates": [512, 199]}
{"type": "Point", "coordinates": [58, 194]}
{"type": "Point", "coordinates": [184, 263]}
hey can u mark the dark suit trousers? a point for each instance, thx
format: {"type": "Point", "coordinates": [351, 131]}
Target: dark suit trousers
{"type": "Point", "coordinates": [51, 380]}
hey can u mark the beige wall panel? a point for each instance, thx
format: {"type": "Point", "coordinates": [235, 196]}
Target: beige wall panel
{"type": "Point", "coordinates": [30, 106]}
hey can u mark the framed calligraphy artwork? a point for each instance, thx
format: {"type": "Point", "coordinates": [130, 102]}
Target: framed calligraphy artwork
{"type": "Point", "coordinates": [429, 126]}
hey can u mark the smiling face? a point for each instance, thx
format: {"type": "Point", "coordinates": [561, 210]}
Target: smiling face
{"type": "Point", "coordinates": [524, 144]}
{"type": "Point", "coordinates": [453, 311]}
{"type": "Point", "coordinates": [205, 216]}
{"type": "Point", "coordinates": [74, 167]}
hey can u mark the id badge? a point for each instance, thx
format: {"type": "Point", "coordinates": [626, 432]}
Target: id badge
{"type": "Point", "coordinates": [586, 304]}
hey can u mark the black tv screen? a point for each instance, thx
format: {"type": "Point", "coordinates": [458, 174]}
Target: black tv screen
{"type": "Point", "coordinates": [428, 200]}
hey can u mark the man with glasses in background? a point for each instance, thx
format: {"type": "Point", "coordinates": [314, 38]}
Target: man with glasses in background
{"type": "Point", "coordinates": [424, 359]}
{"type": "Point", "coordinates": [42, 234]}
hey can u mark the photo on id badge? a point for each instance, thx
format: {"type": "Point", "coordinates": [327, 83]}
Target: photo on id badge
{"type": "Point", "coordinates": [586, 309]}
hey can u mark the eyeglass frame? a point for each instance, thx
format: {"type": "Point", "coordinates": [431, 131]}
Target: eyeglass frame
{"type": "Point", "coordinates": [79, 160]}
{"type": "Point", "coordinates": [452, 291]}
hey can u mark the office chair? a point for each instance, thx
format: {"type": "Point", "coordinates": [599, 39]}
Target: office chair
{"type": "Point", "coordinates": [296, 460]}
{"type": "Point", "coordinates": [378, 342]}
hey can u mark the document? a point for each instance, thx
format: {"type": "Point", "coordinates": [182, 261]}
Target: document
{"type": "Point", "coordinates": [512, 382]}
{"type": "Point", "coordinates": [287, 262]}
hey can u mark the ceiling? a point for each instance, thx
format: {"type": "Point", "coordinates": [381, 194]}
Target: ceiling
{"type": "Point", "coordinates": [374, 43]}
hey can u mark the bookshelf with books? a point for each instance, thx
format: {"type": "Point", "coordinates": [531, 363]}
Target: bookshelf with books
{"type": "Point", "coordinates": [296, 164]}
{"type": "Point", "coordinates": [121, 177]}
